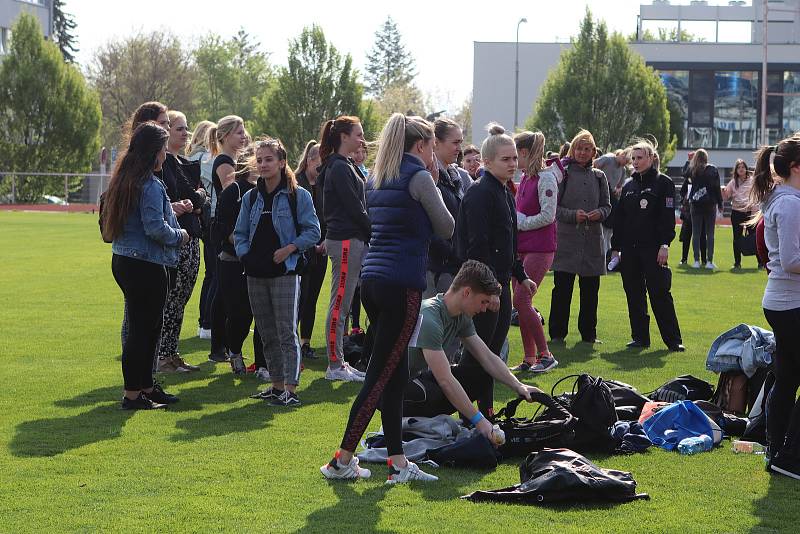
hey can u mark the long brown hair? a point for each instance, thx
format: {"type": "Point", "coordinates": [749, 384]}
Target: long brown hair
{"type": "Point", "coordinates": [132, 170]}
{"type": "Point", "coordinates": [699, 163]}
{"type": "Point", "coordinates": [735, 176]}
{"type": "Point", "coordinates": [331, 134]}
{"type": "Point", "coordinates": [302, 163]}
{"type": "Point", "coordinates": [149, 111]}
{"type": "Point", "coordinates": [280, 151]}
{"type": "Point", "coordinates": [787, 153]}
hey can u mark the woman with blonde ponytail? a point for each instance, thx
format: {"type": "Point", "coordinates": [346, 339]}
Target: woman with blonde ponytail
{"type": "Point", "coordinates": [779, 193]}
{"type": "Point", "coordinates": [406, 210]}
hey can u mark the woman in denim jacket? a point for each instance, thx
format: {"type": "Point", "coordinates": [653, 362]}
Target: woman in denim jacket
{"type": "Point", "coordinates": [276, 223]}
{"type": "Point", "coordinates": [145, 240]}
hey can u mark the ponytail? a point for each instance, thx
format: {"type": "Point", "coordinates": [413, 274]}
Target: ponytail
{"type": "Point", "coordinates": [397, 137]}
{"type": "Point", "coordinates": [763, 181]}
{"type": "Point", "coordinates": [211, 141]}
{"type": "Point", "coordinates": [330, 134]}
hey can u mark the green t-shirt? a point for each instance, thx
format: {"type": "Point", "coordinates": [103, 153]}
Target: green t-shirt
{"type": "Point", "coordinates": [437, 330]}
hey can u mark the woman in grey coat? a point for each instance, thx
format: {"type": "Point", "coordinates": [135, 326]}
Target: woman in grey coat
{"type": "Point", "coordinates": [583, 204]}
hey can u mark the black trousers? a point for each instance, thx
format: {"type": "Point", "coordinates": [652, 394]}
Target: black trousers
{"type": "Point", "coordinates": [310, 286]}
{"type": "Point", "coordinates": [642, 275]}
{"type": "Point", "coordinates": [355, 309]}
{"type": "Point", "coordinates": [423, 397]}
{"type": "Point", "coordinates": [393, 312]}
{"type": "Point", "coordinates": [219, 342]}
{"type": "Point", "coordinates": [145, 286]}
{"type": "Point", "coordinates": [492, 328]}
{"type": "Point", "coordinates": [238, 315]}
{"type": "Point", "coordinates": [783, 408]}
{"type": "Point", "coordinates": [737, 218]}
{"type": "Point", "coordinates": [561, 301]}
{"type": "Point", "coordinates": [208, 287]}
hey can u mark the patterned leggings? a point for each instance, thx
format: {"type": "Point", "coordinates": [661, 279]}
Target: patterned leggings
{"type": "Point", "coordinates": [188, 267]}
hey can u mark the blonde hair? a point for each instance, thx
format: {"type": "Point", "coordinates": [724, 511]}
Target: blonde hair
{"type": "Point", "coordinates": [302, 163]}
{"type": "Point", "coordinates": [276, 146]}
{"type": "Point", "coordinates": [217, 134]}
{"type": "Point", "coordinates": [533, 142]}
{"type": "Point", "coordinates": [497, 138]}
{"type": "Point", "coordinates": [199, 138]}
{"type": "Point", "coordinates": [583, 136]}
{"type": "Point", "coordinates": [173, 114]}
{"type": "Point", "coordinates": [699, 162]}
{"type": "Point", "coordinates": [397, 137]}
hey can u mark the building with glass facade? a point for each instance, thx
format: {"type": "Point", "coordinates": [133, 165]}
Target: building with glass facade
{"type": "Point", "coordinates": [10, 11]}
{"type": "Point", "coordinates": [715, 84]}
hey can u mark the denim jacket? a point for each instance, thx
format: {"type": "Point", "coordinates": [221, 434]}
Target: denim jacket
{"type": "Point", "coordinates": [742, 348]}
{"type": "Point", "coordinates": [282, 220]}
{"type": "Point", "coordinates": [151, 232]}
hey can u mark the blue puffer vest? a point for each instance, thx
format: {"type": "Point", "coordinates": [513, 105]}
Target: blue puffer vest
{"type": "Point", "coordinates": [401, 231]}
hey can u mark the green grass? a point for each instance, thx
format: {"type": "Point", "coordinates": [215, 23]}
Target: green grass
{"type": "Point", "coordinates": [71, 460]}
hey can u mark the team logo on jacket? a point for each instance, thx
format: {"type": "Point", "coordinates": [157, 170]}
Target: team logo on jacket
{"type": "Point", "coordinates": [670, 202]}
{"type": "Point", "coordinates": [643, 203]}
{"type": "Point", "coordinates": [548, 193]}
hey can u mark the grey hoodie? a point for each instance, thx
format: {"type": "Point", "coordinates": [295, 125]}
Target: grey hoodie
{"type": "Point", "coordinates": [782, 236]}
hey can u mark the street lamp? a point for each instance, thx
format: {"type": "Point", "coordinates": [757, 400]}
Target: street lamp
{"type": "Point", "coordinates": [516, 74]}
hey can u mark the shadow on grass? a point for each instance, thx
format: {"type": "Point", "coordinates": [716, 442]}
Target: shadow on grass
{"type": "Point", "coordinates": [632, 359]}
{"type": "Point", "coordinates": [353, 512]}
{"type": "Point", "coordinates": [255, 415]}
{"type": "Point", "coordinates": [777, 510]}
{"type": "Point", "coordinates": [53, 436]}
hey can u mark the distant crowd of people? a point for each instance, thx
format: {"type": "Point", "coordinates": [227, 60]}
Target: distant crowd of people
{"type": "Point", "coordinates": [437, 241]}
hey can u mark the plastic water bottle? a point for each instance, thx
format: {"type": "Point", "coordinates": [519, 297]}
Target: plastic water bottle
{"type": "Point", "coordinates": [695, 444]}
{"type": "Point", "coordinates": [498, 435]}
{"type": "Point", "coordinates": [748, 447]}
{"type": "Point", "coordinates": [613, 263]}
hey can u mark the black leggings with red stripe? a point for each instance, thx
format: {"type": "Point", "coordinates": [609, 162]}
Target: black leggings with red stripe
{"type": "Point", "coordinates": [393, 312]}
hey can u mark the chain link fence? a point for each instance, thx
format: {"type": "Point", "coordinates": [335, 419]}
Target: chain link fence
{"type": "Point", "coordinates": [52, 190]}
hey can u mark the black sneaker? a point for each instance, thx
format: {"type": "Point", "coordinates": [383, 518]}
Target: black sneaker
{"type": "Point", "coordinates": [307, 352]}
{"type": "Point", "coordinates": [141, 403]}
{"type": "Point", "coordinates": [219, 357]}
{"type": "Point", "coordinates": [636, 344]}
{"type": "Point", "coordinates": [268, 394]}
{"type": "Point", "coordinates": [158, 395]}
{"type": "Point", "coordinates": [786, 464]}
{"type": "Point", "coordinates": [287, 398]}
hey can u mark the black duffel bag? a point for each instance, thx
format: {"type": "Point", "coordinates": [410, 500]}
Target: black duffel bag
{"type": "Point", "coordinates": [525, 435]}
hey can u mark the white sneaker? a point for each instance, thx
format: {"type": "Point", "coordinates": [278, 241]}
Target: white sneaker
{"type": "Point", "coordinates": [342, 373]}
{"type": "Point", "coordinates": [696, 265]}
{"type": "Point", "coordinates": [711, 266]}
{"type": "Point", "coordinates": [355, 371]}
{"type": "Point", "coordinates": [351, 471]}
{"type": "Point", "coordinates": [204, 333]}
{"type": "Point", "coordinates": [262, 374]}
{"type": "Point", "coordinates": [410, 472]}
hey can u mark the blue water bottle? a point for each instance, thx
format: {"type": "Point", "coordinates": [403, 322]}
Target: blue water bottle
{"type": "Point", "coordinates": [695, 444]}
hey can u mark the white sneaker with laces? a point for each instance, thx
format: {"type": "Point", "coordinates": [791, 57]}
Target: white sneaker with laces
{"type": "Point", "coordinates": [342, 373]}
{"type": "Point", "coordinates": [545, 364]}
{"type": "Point", "coordinates": [336, 471]}
{"type": "Point", "coordinates": [711, 266]}
{"type": "Point", "coordinates": [204, 333]}
{"type": "Point", "coordinates": [237, 364]}
{"type": "Point", "coordinates": [696, 265]}
{"type": "Point", "coordinates": [410, 472]}
{"type": "Point", "coordinates": [355, 371]}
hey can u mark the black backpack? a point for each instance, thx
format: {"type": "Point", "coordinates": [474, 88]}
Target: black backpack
{"type": "Point", "coordinates": [592, 403]}
{"type": "Point", "coordinates": [684, 387]}
{"type": "Point", "coordinates": [561, 475]}
{"type": "Point", "coordinates": [525, 435]}
{"type": "Point", "coordinates": [476, 452]}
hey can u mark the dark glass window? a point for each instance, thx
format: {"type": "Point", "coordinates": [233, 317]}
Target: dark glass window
{"type": "Point", "coordinates": [791, 104]}
{"type": "Point", "coordinates": [676, 82]}
{"type": "Point", "coordinates": [701, 98]}
{"type": "Point", "coordinates": [735, 109]}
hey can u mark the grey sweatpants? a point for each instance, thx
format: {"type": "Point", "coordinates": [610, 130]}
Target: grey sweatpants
{"type": "Point", "coordinates": [346, 259]}
{"type": "Point", "coordinates": [274, 303]}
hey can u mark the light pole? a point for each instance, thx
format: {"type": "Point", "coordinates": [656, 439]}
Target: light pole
{"type": "Point", "coordinates": [516, 74]}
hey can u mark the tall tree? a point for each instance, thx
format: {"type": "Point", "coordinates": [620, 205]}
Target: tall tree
{"type": "Point", "coordinates": [316, 85]}
{"type": "Point", "coordinates": [50, 117]}
{"type": "Point", "coordinates": [388, 63]}
{"type": "Point", "coordinates": [138, 69]}
{"type": "Point", "coordinates": [231, 74]}
{"type": "Point", "coordinates": [63, 31]}
{"type": "Point", "coordinates": [602, 85]}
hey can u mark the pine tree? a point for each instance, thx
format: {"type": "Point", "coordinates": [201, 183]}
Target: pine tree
{"type": "Point", "coordinates": [63, 27]}
{"type": "Point", "coordinates": [388, 63]}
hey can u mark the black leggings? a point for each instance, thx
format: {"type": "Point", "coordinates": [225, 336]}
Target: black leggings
{"type": "Point", "coordinates": [209, 285]}
{"type": "Point", "coordinates": [563, 282]}
{"type": "Point", "coordinates": [219, 342]}
{"type": "Point", "coordinates": [737, 218]}
{"type": "Point", "coordinates": [393, 312]}
{"type": "Point", "coordinates": [492, 328]}
{"type": "Point", "coordinates": [238, 316]}
{"type": "Point", "coordinates": [423, 397]}
{"type": "Point", "coordinates": [144, 285]}
{"type": "Point", "coordinates": [783, 408]}
{"type": "Point", "coordinates": [310, 286]}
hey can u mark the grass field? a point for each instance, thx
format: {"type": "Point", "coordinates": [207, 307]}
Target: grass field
{"type": "Point", "coordinates": [71, 460]}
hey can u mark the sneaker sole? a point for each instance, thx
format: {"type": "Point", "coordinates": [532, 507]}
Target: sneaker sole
{"type": "Point", "coordinates": [548, 368]}
{"type": "Point", "coordinates": [784, 472]}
